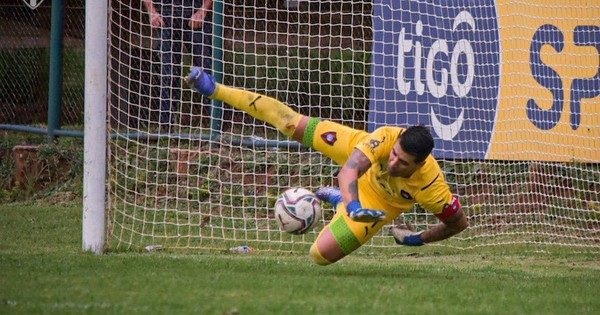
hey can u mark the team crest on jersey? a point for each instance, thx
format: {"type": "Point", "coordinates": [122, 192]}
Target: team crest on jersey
{"type": "Point", "coordinates": [329, 137]}
{"type": "Point", "coordinates": [405, 194]}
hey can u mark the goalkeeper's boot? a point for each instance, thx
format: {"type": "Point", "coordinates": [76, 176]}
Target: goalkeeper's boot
{"type": "Point", "coordinates": [329, 194]}
{"type": "Point", "coordinates": [201, 81]}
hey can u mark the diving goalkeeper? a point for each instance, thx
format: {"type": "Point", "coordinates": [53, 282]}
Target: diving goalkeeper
{"type": "Point", "coordinates": [383, 174]}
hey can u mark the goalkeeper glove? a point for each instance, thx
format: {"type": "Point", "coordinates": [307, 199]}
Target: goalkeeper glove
{"type": "Point", "coordinates": [357, 213]}
{"type": "Point", "coordinates": [404, 235]}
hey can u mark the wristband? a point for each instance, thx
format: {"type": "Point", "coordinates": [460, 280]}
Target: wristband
{"type": "Point", "coordinates": [413, 240]}
{"type": "Point", "coordinates": [353, 206]}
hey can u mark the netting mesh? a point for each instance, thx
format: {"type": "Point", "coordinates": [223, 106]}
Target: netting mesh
{"type": "Point", "coordinates": [25, 62]}
{"type": "Point", "coordinates": [207, 176]}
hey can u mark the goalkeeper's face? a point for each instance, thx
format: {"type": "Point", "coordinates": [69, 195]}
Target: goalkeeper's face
{"type": "Point", "coordinates": [402, 164]}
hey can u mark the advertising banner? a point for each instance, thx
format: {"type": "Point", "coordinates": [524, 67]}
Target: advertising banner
{"type": "Point", "coordinates": [492, 79]}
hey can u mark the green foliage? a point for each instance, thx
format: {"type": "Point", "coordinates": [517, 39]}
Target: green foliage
{"type": "Point", "coordinates": [561, 191]}
{"type": "Point", "coordinates": [44, 271]}
{"type": "Point", "coordinates": [331, 84]}
{"type": "Point", "coordinates": [56, 170]}
{"type": "Point", "coordinates": [233, 191]}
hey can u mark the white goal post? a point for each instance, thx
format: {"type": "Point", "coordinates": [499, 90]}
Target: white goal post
{"type": "Point", "coordinates": [510, 90]}
{"type": "Point", "coordinates": [94, 186]}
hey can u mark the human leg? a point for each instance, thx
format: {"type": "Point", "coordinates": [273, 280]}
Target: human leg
{"type": "Point", "coordinates": [267, 109]}
{"type": "Point", "coordinates": [341, 236]}
{"type": "Point", "coordinates": [199, 43]}
{"type": "Point", "coordinates": [170, 72]}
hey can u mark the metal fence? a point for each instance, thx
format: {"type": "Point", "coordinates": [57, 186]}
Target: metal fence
{"type": "Point", "coordinates": [26, 37]}
{"type": "Point", "coordinates": [42, 58]}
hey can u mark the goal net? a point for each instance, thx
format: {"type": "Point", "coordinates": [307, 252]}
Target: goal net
{"type": "Point", "coordinates": [510, 90]}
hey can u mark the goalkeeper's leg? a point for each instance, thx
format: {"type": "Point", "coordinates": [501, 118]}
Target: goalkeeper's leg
{"type": "Point", "coordinates": [267, 109]}
{"type": "Point", "coordinates": [341, 236]}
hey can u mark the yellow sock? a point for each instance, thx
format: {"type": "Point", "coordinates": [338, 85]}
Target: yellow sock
{"type": "Point", "coordinates": [262, 107]}
{"type": "Point", "coordinates": [317, 257]}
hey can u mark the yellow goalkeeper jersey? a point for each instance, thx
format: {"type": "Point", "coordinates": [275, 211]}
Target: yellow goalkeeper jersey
{"type": "Point", "coordinates": [377, 190]}
{"type": "Point", "coordinates": [427, 186]}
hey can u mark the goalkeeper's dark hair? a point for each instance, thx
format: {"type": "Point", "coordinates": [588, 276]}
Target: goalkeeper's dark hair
{"type": "Point", "coordinates": [417, 141]}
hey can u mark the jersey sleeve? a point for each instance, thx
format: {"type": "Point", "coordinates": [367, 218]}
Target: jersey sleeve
{"type": "Point", "coordinates": [435, 196]}
{"type": "Point", "coordinates": [379, 143]}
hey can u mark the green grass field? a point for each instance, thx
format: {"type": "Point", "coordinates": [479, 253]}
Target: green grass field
{"type": "Point", "coordinates": [44, 271]}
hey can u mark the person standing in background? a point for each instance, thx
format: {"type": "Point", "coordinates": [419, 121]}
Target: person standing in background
{"type": "Point", "coordinates": [180, 23]}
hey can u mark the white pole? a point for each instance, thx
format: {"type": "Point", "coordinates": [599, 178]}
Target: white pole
{"type": "Point", "coordinates": [94, 155]}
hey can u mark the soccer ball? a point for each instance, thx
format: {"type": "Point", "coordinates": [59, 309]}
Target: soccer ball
{"type": "Point", "coordinates": [297, 210]}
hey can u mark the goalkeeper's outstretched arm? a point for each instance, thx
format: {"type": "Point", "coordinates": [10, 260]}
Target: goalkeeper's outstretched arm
{"type": "Point", "coordinates": [356, 165]}
{"type": "Point", "coordinates": [354, 168]}
{"type": "Point", "coordinates": [450, 226]}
